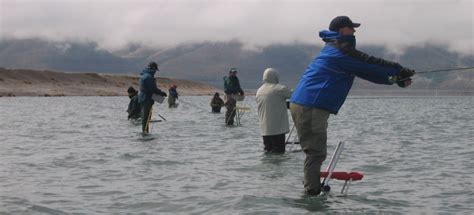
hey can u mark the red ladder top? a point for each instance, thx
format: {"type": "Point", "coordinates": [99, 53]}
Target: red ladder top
{"type": "Point", "coordinates": [344, 176]}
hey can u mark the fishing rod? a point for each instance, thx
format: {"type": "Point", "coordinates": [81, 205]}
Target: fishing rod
{"type": "Point", "coordinates": [445, 70]}
{"type": "Point", "coordinates": [162, 117]}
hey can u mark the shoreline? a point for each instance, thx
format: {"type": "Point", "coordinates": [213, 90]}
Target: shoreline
{"type": "Point", "coordinates": [17, 82]}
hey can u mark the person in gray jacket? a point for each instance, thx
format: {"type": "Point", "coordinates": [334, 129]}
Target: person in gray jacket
{"type": "Point", "coordinates": [272, 111]}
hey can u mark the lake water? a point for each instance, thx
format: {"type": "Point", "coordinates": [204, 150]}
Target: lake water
{"type": "Point", "coordinates": [62, 155]}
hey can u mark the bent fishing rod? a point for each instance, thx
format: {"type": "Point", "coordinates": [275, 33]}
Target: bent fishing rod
{"type": "Point", "coordinates": [445, 70]}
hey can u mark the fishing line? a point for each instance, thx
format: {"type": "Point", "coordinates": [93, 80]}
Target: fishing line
{"type": "Point", "coordinates": [202, 109]}
{"type": "Point", "coordinates": [445, 70]}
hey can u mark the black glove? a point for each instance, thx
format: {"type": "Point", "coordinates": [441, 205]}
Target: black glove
{"type": "Point", "coordinates": [404, 83]}
{"type": "Point", "coordinates": [163, 94]}
{"type": "Point", "coordinates": [403, 77]}
{"type": "Point", "coordinates": [405, 74]}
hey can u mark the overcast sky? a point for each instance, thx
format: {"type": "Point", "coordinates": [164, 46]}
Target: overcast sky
{"type": "Point", "coordinates": [114, 23]}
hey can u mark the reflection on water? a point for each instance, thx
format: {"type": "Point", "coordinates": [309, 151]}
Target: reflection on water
{"type": "Point", "coordinates": [81, 155]}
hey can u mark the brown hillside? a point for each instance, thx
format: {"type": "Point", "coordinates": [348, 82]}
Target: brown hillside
{"type": "Point", "coordinates": [49, 83]}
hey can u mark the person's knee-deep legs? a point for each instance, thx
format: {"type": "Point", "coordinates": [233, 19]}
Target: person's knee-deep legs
{"type": "Point", "coordinates": [268, 145]}
{"type": "Point", "coordinates": [146, 115]}
{"type": "Point", "coordinates": [230, 105]}
{"type": "Point", "coordinates": [171, 102]}
{"type": "Point", "coordinates": [216, 109]}
{"type": "Point", "coordinates": [274, 143]}
{"type": "Point", "coordinates": [311, 125]}
{"type": "Point", "coordinates": [279, 143]}
{"type": "Point", "coordinates": [230, 115]}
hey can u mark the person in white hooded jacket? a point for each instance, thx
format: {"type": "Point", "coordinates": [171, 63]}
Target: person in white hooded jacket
{"type": "Point", "coordinates": [272, 111]}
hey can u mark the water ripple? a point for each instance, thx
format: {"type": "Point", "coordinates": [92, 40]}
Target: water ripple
{"type": "Point", "coordinates": [84, 157]}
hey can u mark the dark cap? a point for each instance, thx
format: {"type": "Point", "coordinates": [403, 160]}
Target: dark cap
{"type": "Point", "coordinates": [131, 90]}
{"type": "Point", "coordinates": [233, 70]}
{"type": "Point", "coordinates": [153, 66]}
{"type": "Point", "coordinates": [341, 22]}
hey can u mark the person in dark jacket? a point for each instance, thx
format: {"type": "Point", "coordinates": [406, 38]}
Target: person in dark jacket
{"type": "Point", "coordinates": [148, 87]}
{"type": "Point", "coordinates": [173, 95]}
{"type": "Point", "coordinates": [324, 86]}
{"type": "Point", "coordinates": [134, 109]}
{"type": "Point", "coordinates": [231, 89]}
{"type": "Point", "coordinates": [216, 103]}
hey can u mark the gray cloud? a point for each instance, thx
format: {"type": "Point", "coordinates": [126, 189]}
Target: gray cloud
{"type": "Point", "coordinates": [112, 23]}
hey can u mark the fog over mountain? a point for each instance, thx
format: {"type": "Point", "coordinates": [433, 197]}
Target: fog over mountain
{"type": "Point", "coordinates": [113, 24]}
{"type": "Point", "coordinates": [210, 61]}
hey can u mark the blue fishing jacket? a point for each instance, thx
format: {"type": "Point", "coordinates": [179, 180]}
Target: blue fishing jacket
{"type": "Point", "coordinates": [172, 92]}
{"type": "Point", "coordinates": [147, 86]}
{"type": "Point", "coordinates": [329, 77]}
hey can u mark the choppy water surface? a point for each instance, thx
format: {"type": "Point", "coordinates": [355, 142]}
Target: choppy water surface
{"type": "Point", "coordinates": [81, 155]}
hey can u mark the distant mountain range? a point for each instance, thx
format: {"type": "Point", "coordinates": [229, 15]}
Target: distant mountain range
{"type": "Point", "coordinates": [210, 61]}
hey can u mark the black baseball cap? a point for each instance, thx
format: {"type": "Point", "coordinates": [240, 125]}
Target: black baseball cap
{"type": "Point", "coordinates": [153, 65]}
{"type": "Point", "coordinates": [341, 22]}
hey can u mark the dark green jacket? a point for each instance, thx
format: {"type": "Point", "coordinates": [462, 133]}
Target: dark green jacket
{"type": "Point", "coordinates": [232, 85]}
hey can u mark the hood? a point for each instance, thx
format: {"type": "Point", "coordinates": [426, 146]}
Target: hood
{"type": "Point", "coordinates": [328, 36]}
{"type": "Point", "coordinates": [270, 75]}
{"type": "Point", "coordinates": [152, 72]}
{"type": "Point", "coordinates": [325, 34]}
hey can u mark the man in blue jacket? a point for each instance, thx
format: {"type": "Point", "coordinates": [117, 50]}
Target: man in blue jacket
{"type": "Point", "coordinates": [324, 86]}
{"type": "Point", "coordinates": [147, 89]}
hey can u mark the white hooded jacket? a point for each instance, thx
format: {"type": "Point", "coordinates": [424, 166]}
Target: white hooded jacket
{"type": "Point", "coordinates": [272, 109]}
